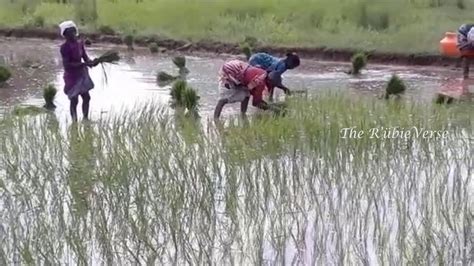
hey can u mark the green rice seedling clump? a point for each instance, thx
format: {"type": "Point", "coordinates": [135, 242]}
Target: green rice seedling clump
{"type": "Point", "coordinates": [179, 61]}
{"type": "Point", "coordinates": [359, 61]}
{"type": "Point", "coordinates": [5, 74]}
{"type": "Point", "coordinates": [177, 91]}
{"type": "Point", "coordinates": [129, 41]}
{"type": "Point", "coordinates": [49, 93]}
{"type": "Point", "coordinates": [190, 99]}
{"type": "Point", "coordinates": [153, 47]}
{"type": "Point", "coordinates": [395, 86]}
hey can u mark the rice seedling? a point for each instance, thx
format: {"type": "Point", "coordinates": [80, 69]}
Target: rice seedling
{"type": "Point", "coordinates": [164, 78]}
{"type": "Point", "coordinates": [395, 86]}
{"type": "Point", "coordinates": [49, 93]}
{"type": "Point", "coordinates": [109, 57]}
{"type": "Point", "coordinates": [28, 110]}
{"type": "Point", "coordinates": [359, 61]}
{"type": "Point", "coordinates": [179, 61]}
{"type": "Point", "coordinates": [5, 75]}
{"type": "Point", "coordinates": [153, 48]}
{"type": "Point", "coordinates": [176, 93]}
{"type": "Point", "coordinates": [129, 40]}
{"type": "Point", "coordinates": [137, 188]}
{"type": "Point", "coordinates": [190, 100]}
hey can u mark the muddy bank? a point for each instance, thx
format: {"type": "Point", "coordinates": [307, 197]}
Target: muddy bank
{"type": "Point", "coordinates": [321, 53]}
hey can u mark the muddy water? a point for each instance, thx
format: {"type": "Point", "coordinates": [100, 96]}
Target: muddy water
{"type": "Point", "coordinates": [36, 63]}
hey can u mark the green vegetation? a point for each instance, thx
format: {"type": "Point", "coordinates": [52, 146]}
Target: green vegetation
{"type": "Point", "coordinates": [395, 86]}
{"type": "Point", "coordinates": [359, 61]}
{"type": "Point", "coordinates": [129, 40]}
{"type": "Point", "coordinates": [5, 75]}
{"type": "Point", "coordinates": [49, 93]}
{"type": "Point", "coordinates": [397, 26]}
{"type": "Point", "coordinates": [28, 110]}
{"type": "Point", "coordinates": [153, 48]}
{"type": "Point", "coordinates": [164, 78]}
{"type": "Point", "coordinates": [133, 189]}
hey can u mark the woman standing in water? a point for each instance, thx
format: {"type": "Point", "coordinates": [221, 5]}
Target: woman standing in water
{"type": "Point", "coordinates": [77, 81]}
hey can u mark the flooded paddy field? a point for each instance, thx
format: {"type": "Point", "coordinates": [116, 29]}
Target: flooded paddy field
{"type": "Point", "coordinates": [149, 187]}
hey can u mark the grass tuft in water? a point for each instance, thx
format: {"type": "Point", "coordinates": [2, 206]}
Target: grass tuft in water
{"type": "Point", "coordinates": [49, 93]}
{"type": "Point", "coordinates": [129, 41]}
{"type": "Point", "coordinates": [5, 74]}
{"type": "Point", "coordinates": [359, 61]}
{"type": "Point", "coordinates": [153, 47]}
{"type": "Point", "coordinates": [190, 99]}
{"type": "Point", "coordinates": [177, 92]}
{"type": "Point", "coordinates": [179, 61]}
{"type": "Point", "coordinates": [395, 86]}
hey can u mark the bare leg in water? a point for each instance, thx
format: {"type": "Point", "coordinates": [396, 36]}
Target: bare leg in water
{"type": "Point", "coordinates": [73, 107]}
{"type": "Point", "coordinates": [85, 106]}
{"type": "Point", "coordinates": [86, 98]}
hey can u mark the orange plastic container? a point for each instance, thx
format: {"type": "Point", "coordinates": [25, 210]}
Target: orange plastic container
{"type": "Point", "coordinates": [448, 46]}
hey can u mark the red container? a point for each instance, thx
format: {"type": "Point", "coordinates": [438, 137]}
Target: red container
{"type": "Point", "coordinates": [448, 46]}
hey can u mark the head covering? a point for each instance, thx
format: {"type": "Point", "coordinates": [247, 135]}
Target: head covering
{"type": "Point", "coordinates": [66, 25]}
{"type": "Point", "coordinates": [470, 35]}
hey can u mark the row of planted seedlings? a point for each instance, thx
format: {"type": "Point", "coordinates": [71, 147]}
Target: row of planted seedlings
{"type": "Point", "coordinates": [131, 190]}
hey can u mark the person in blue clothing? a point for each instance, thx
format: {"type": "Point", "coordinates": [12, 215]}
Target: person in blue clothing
{"type": "Point", "coordinates": [276, 66]}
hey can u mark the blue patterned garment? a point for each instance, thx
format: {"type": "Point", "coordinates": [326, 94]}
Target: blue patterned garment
{"type": "Point", "coordinates": [268, 62]}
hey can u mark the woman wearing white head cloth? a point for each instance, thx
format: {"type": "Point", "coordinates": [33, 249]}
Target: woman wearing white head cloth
{"type": "Point", "coordinates": [466, 45]}
{"type": "Point", "coordinates": [77, 81]}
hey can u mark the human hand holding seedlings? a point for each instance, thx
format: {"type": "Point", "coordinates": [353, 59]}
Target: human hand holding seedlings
{"type": "Point", "coordinates": [92, 63]}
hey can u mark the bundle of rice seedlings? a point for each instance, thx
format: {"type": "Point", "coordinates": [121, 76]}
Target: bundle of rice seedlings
{"type": "Point", "coordinates": [153, 48]}
{"type": "Point", "coordinates": [177, 91]}
{"type": "Point", "coordinates": [359, 61]}
{"type": "Point", "coordinates": [49, 93]}
{"type": "Point", "coordinates": [5, 75]}
{"type": "Point", "coordinates": [179, 61]}
{"type": "Point", "coordinates": [164, 78]}
{"type": "Point", "coordinates": [110, 57]}
{"type": "Point", "coordinates": [395, 86]}
{"type": "Point", "coordinates": [190, 99]}
{"type": "Point", "coordinates": [129, 40]}
{"type": "Point", "coordinates": [183, 72]}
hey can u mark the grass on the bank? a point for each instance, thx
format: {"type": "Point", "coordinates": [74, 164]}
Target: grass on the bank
{"type": "Point", "coordinates": [144, 188]}
{"type": "Point", "coordinates": [400, 26]}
